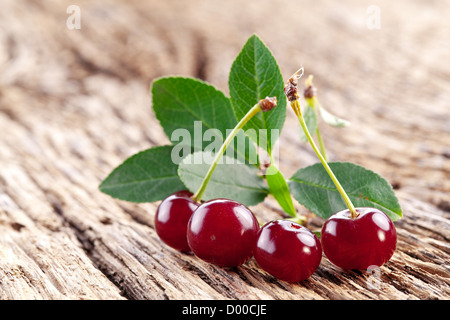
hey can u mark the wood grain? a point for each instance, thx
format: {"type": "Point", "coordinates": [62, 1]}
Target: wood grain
{"type": "Point", "coordinates": [75, 103]}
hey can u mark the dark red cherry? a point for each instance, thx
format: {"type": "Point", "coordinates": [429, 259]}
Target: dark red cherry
{"type": "Point", "coordinates": [172, 217]}
{"type": "Point", "coordinates": [368, 240]}
{"type": "Point", "coordinates": [222, 232]}
{"type": "Point", "coordinates": [287, 250]}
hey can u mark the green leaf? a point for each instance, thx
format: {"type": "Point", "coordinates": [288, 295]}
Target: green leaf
{"type": "Point", "coordinates": [255, 75]}
{"type": "Point", "coordinates": [192, 109]}
{"type": "Point", "coordinates": [279, 188]}
{"type": "Point", "coordinates": [231, 179]}
{"type": "Point", "coordinates": [331, 119]}
{"type": "Point", "coordinates": [310, 116]}
{"type": "Point", "coordinates": [313, 188]}
{"type": "Point", "coordinates": [147, 176]}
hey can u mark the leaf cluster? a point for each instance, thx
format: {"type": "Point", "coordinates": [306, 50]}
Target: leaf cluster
{"type": "Point", "coordinates": [187, 107]}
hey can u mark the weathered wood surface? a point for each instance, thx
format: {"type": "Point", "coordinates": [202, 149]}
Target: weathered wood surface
{"type": "Point", "coordinates": [75, 103]}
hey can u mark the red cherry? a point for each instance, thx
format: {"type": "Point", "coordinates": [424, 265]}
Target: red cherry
{"type": "Point", "coordinates": [368, 240]}
{"type": "Point", "coordinates": [172, 217]}
{"type": "Point", "coordinates": [287, 250]}
{"type": "Point", "coordinates": [222, 232]}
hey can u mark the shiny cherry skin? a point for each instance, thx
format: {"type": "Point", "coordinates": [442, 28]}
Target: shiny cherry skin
{"type": "Point", "coordinates": [287, 250]}
{"type": "Point", "coordinates": [368, 240]}
{"type": "Point", "coordinates": [172, 217]}
{"type": "Point", "coordinates": [222, 232]}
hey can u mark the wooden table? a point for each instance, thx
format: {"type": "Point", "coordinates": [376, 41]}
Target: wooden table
{"type": "Point", "coordinates": [75, 103]}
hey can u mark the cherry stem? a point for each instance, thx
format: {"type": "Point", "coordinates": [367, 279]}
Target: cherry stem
{"type": "Point", "coordinates": [263, 105]}
{"type": "Point", "coordinates": [293, 96]}
{"type": "Point", "coordinates": [298, 219]}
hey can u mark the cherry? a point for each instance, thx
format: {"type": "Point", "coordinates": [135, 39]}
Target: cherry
{"type": "Point", "coordinates": [287, 250]}
{"type": "Point", "coordinates": [358, 243]}
{"type": "Point", "coordinates": [172, 217]}
{"type": "Point", "coordinates": [222, 232]}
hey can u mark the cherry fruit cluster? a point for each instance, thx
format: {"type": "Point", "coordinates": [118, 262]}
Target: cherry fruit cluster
{"type": "Point", "coordinates": [226, 233]}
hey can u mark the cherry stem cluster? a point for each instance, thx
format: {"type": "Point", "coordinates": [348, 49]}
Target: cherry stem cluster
{"type": "Point", "coordinates": [291, 93]}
